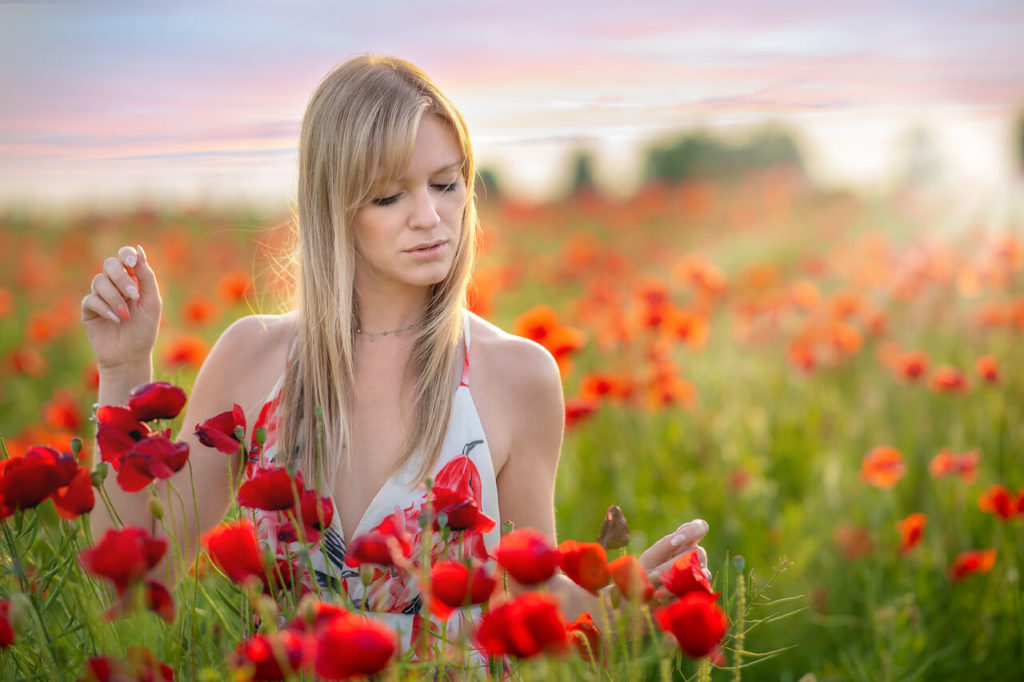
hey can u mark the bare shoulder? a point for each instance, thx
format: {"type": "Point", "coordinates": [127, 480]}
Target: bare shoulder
{"type": "Point", "coordinates": [516, 363]}
{"type": "Point", "coordinates": [246, 361]}
{"type": "Point", "coordinates": [518, 392]}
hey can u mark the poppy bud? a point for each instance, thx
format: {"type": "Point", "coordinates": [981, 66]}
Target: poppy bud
{"type": "Point", "coordinates": [155, 507]}
{"type": "Point", "coordinates": [614, 529]}
{"type": "Point", "coordinates": [739, 563]}
{"type": "Point", "coordinates": [76, 445]}
{"type": "Point", "coordinates": [366, 574]}
{"type": "Point", "coordinates": [260, 435]}
{"type": "Point", "coordinates": [267, 608]}
{"type": "Point", "coordinates": [99, 474]}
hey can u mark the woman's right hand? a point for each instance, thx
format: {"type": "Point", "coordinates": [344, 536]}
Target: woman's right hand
{"type": "Point", "coordinates": [122, 312]}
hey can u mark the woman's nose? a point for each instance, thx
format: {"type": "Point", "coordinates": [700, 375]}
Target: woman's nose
{"type": "Point", "coordinates": [424, 214]}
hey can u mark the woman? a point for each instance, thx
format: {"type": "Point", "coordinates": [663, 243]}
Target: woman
{"type": "Point", "coordinates": [379, 339]}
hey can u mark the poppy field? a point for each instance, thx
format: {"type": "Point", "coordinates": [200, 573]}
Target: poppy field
{"type": "Point", "coordinates": [831, 380]}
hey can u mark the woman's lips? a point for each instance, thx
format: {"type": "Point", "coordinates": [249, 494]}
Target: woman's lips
{"type": "Point", "coordinates": [427, 252]}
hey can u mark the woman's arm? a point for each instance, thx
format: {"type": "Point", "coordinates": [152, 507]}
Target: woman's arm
{"type": "Point", "coordinates": [526, 485]}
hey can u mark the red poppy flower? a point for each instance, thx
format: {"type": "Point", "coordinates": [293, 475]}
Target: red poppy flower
{"type": "Point", "coordinates": [157, 400]}
{"type": "Point", "coordinates": [118, 433]}
{"type": "Point", "coordinates": [631, 578]}
{"type": "Point", "coordinates": [948, 380]}
{"type": "Point", "coordinates": [6, 629]}
{"type": "Point", "coordinates": [156, 597]}
{"type": "Point", "coordinates": [149, 459]}
{"type": "Point", "coordinates": [882, 467]}
{"type": "Point", "coordinates": [381, 544]}
{"type": "Point", "coordinates": [186, 350]}
{"type": "Point", "coordinates": [585, 563]}
{"type": "Point", "coordinates": [696, 621]}
{"type": "Point", "coordinates": [527, 556]}
{"type": "Point", "coordinates": [911, 530]}
{"type": "Point", "coordinates": [315, 512]}
{"type": "Point", "coordinates": [578, 409]}
{"type": "Point", "coordinates": [970, 562]}
{"type": "Point", "coordinates": [453, 585]}
{"type": "Point", "coordinates": [62, 412]}
{"type": "Point", "coordinates": [686, 575]}
{"type": "Point", "coordinates": [124, 556]}
{"type": "Point", "coordinates": [233, 549]}
{"type": "Point", "coordinates": [524, 627]}
{"type": "Point", "coordinates": [354, 645]}
{"type": "Point", "coordinates": [987, 368]}
{"type": "Point", "coordinates": [271, 655]}
{"type": "Point", "coordinates": [853, 541]}
{"type": "Point", "coordinates": [76, 498]}
{"type": "Point", "coordinates": [28, 480]}
{"type": "Point", "coordinates": [199, 310]}
{"type": "Point", "coordinates": [998, 500]}
{"type": "Point", "coordinates": [946, 463]}
{"type": "Point", "coordinates": [140, 664]}
{"type": "Point", "coordinates": [270, 488]}
{"type": "Point", "coordinates": [912, 364]}
{"type": "Point", "coordinates": [585, 637]}
{"type": "Point", "coordinates": [219, 431]}
{"type": "Point", "coordinates": [313, 615]}
{"type": "Point", "coordinates": [234, 286]}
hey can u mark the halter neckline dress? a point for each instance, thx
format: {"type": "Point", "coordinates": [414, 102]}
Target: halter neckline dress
{"type": "Point", "coordinates": [393, 595]}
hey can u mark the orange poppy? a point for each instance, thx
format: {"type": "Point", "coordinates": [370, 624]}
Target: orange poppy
{"type": "Point", "coordinates": [186, 350]}
{"type": "Point", "coordinates": [882, 467]}
{"type": "Point", "coordinates": [911, 530]}
{"type": "Point", "coordinates": [199, 310]}
{"type": "Point", "coordinates": [234, 286]}
{"type": "Point", "coordinates": [987, 368]}
{"type": "Point", "coordinates": [912, 364]}
{"type": "Point", "coordinates": [970, 562]}
{"type": "Point", "coordinates": [999, 501]}
{"type": "Point", "coordinates": [948, 379]}
{"type": "Point", "coordinates": [946, 462]}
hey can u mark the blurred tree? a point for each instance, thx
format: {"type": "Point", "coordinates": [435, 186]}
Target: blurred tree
{"type": "Point", "coordinates": [700, 155]}
{"type": "Point", "coordinates": [582, 172]}
{"type": "Point", "coordinates": [488, 187]}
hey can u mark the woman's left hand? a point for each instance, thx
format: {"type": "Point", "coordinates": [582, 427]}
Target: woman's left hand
{"type": "Point", "coordinates": [661, 555]}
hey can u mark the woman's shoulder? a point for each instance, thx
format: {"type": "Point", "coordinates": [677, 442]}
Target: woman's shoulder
{"type": "Point", "coordinates": [250, 356]}
{"type": "Point", "coordinates": [517, 360]}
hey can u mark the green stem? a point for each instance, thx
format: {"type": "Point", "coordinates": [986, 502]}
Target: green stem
{"type": "Point", "coordinates": [741, 608]}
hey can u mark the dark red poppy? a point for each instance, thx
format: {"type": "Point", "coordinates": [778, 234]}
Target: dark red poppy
{"type": "Point", "coordinates": [585, 563]}
{"type": "Point", "coordinates": [314, 615]}
{"type": "Point", "coordinates": [140, 664]}
{"type": "Point", "coordinates": [118, 432]}
{"type": "Point", "coordinates": [315, 512]}
{"type": "Point", "coordinates": [948, 379]}
{"type": "Point", "coordinates": [271, 655]}
{"type": "Point", "coordinates": [381, 544]}
{"type": "Point", "coordinates": [28, 480]}
{"type": "Point", "coordinates": [631, 578]}
{"type": "Point", "coordinates": [76, 498]}
{"type": "Point", "coordinates": [155, 596]}
{"type": "Point", "coordinates": [219, 431]}
{"type": "Point", "coordinates": [149, 459]}
{"type": "Point", "coordinates": [234, 549]}
{"type": "Point", "coordinates": [585, 637]}
{"type": "Point", "coordinates": [975, 561]}
{"type": "Point", "coordinates": [157, 400]}
{"type": "Point", "coordinates": [987, 368]}
{"type": "Point", "coordinates": [454, 585]}
{"type": "Point", "coordinates": [270, 488]}
{"type": "Point", "coordinates": [696, 621]}
{"type": "Point", "coordinates": [354, 645]}
{"type": "Point", "coordinates": [911, 530]}
{"type": "Point", "coordinates": [686, 575]}
{"type": "Point", "coordinates": [999, 501]}
{"type": "Point", "coordinates": [527, 556]}
{"type": "Point", "coordinates": [6, 629]}
{"type": "Point", "coordinates": [524, 627]}
{"type": "Point", "coordinates": [577, 409]}
{"type": "Point", "coordinates": [124, 556]}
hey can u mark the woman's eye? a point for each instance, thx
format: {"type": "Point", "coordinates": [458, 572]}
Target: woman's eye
{"type": "Point", "coordinates": [386, 201]}
{"type": "Point", "coordinates": [447, 188]}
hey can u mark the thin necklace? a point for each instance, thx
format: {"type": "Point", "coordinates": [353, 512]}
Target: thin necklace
{"type": "Point", "coordinates": [393, 332]}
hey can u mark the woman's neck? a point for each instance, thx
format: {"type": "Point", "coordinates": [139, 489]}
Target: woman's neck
{"type": "Point", "coordinates": [390, 311]}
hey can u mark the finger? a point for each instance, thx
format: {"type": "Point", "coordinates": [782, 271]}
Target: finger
{"type": "Point", "coordinates": [674, 544]}
{"type": "Point", "coordinates": [148, 286]}
{"type": "Point", "coordinates": [93, 306]}
{"type": "Point", "coordinates": [105, 291]}
{"type": "Point", "coordinates": [114, 269]}
{"type": "Point", "coordinates": [703, 556]}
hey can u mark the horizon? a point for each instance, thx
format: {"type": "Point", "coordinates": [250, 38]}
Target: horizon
{"type": "Point", "coordinates": [107, 102]}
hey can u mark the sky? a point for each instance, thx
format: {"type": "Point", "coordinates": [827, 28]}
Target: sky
{"type": "Point", "coordinates": [202, 101]}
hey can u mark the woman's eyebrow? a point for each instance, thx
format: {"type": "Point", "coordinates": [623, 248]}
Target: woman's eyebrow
{"type": "Point", "coordinates": [451, 166]}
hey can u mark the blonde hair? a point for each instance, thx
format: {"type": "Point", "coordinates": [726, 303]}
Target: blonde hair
{"type": "Point", "coordinates": [358, 135]}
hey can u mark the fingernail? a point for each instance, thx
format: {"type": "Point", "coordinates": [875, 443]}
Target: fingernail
{"type": "Point", "coordinates": [122, 310]}
{"type": "Point", "coordinates": [129, 260]}
{"type": "Point", "coordinates": [142, 251]}
{"type": "Point", "coordinates": [680, 539]}
{"type": "Point", "coordinates": [133, 293]}
{"type": "Point", "coordinates": [114, 317]}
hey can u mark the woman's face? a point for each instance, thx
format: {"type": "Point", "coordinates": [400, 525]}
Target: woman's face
{"type": "Point", "coordinates": [407, 236]}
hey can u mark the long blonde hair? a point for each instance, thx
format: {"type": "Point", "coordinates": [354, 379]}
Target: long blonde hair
{"type": "Point", "coordinates": [358, 135]}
